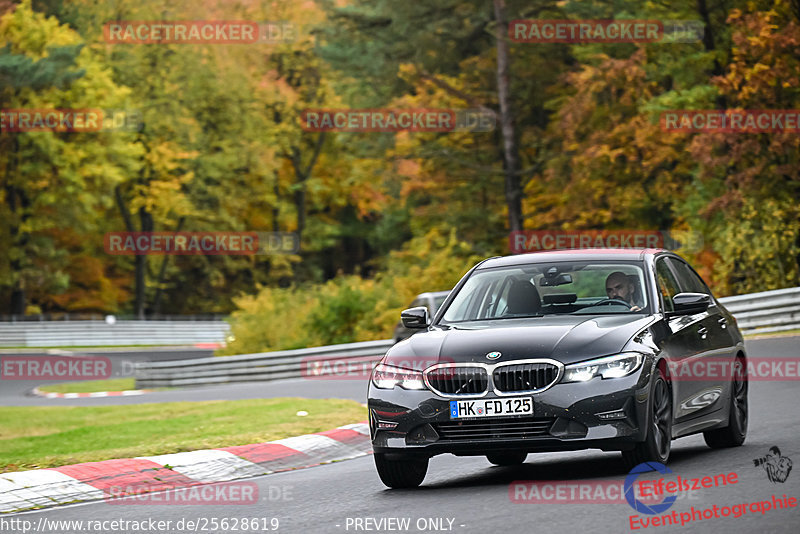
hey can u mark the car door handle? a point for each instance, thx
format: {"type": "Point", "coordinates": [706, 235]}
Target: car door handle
{"type": "Point", "coordinates": [703, 331]}
{"type": "Point", "coordinates": [723, 322]}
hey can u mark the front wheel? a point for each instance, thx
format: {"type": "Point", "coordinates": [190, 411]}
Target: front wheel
{"type": "Point", "coordinates": [507, 458]}
{"type": "Point", "coordinates": [658, 441]}
{"type": "Point", "coordinates": [401, 473]}
{"type": "Point", "coordinates": [734, 434]}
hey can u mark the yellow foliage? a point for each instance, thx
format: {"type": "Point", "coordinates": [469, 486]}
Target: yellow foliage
{"type": "Point", "coordinates": [349, 308]}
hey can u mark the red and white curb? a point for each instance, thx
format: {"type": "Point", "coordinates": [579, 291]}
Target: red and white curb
{"type": "Point", "coordinates": [127, 393]}
{"type": "Point", "coordinates": [209, 346]}
{"type": "Point", "coordinates": [40, 488]}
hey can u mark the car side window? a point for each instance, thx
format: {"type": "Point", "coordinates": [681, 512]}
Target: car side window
{"type": "Point", "coordinates": [666, 284]}
{"type": "Point", "coordinates": [688, 279]}
{"type": "Point", "coordinates": [498, 299]}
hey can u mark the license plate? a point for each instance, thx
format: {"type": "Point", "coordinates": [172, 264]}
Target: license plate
{"type": "Point", "coordinates": [463, 409]}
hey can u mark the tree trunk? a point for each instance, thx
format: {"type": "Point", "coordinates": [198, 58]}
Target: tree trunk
{"type": "Point", "coordinates": [300, 206]}
{"type": "Point", "coordinates": [146, 224]}
{"type": "Point", "coordinates": [162, 273]}
{"type": "Point", "coordinates": [18, 300]}
{"type": "Point", "coordinates": [507, 127]}
{"type": "Point", "coordinates": [301, 175]}
{"type": "Point", "coordinates": [276, 213]}
{"type": "Point", "coordinates": [18, 205]}
{"type": "Point", "coordinates": [708, 34]}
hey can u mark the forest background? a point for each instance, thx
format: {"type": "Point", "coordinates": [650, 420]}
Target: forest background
{"type": "Point", "coordinates": [381, 216]}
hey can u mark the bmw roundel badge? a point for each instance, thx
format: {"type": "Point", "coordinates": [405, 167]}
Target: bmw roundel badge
{"type": "Point", "coordinates": [494, 355]}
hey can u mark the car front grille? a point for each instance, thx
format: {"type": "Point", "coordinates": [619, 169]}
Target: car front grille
{"type": "Point", "coordinates": [458, 380]}
{"type": "Point", "coordinates": [506, 428]}
{"type": "Point", "coordinates": [524, 377]}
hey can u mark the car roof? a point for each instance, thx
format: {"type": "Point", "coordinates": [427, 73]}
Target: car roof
{"type": "Point", "coordinates": [572, 255]}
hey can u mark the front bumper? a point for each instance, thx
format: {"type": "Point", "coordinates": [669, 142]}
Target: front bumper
{"type": "Point", "coordinates": [566, 417]}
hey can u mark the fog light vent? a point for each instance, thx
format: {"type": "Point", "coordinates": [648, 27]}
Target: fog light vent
{"type": "Point", "coordinates": [422, 434]}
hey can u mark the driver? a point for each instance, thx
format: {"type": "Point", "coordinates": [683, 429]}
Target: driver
{"type": "Point", "coordinates": [618, 286]}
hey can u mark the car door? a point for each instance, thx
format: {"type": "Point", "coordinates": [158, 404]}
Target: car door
{"type": "Point", "coordinates": [679, 345]}
{"type": "Point", "coordinates": [714, 344]}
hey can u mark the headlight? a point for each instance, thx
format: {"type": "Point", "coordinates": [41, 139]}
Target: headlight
{"type": "Point", "coordinates": [608, 367]}
{"type": "Point", "coordinates": [387, 377]}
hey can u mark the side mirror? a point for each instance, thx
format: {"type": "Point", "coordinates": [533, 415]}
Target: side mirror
{"type": "Point", "coordinates": [690, 303]}
{"type": "Point", "coordinates": [415, 317]}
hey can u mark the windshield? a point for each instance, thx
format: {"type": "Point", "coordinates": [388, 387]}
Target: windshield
{"type": "Point", "coordinates": [587, 287]}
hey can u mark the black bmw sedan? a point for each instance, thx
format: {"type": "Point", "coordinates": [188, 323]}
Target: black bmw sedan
{"type": "Point", "coordinates": [561, 350]}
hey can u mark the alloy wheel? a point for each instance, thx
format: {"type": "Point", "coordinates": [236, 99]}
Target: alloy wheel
{"type": "Point", "coordinates": [662, 413]}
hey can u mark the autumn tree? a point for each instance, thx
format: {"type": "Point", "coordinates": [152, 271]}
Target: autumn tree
{"type": "Point", "coordinates": [53, 185]}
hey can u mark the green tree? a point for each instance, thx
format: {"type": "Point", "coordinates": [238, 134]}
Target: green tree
{"type": "Point", "coordinates": [52, 185]}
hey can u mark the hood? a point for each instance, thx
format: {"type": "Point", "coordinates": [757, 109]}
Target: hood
{"type": "Point", "coordinates": [566, 338]}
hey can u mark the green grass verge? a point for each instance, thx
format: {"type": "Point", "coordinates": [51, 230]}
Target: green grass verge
{"type": "Point", "coordinates": [50, 436]}
{"type": "Point", "coordinates": [91, 386]}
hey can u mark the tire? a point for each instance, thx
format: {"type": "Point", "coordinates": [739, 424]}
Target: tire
{"type": "Point", "coordinates": [735, 433]}
{"type": "Point", "coordinates": [401, 473]}
{"type": "Point", "coordinates": [507, 458]}
{"type": "Point", "coordinates": [658, 441]}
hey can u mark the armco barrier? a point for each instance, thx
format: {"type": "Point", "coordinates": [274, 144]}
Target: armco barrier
{"type": "Point", "coordinates": [250, 367]}
{"type": "Point", "coordinates": [769, 311]}
{"type": "Point", "coordinates": [100, 333]}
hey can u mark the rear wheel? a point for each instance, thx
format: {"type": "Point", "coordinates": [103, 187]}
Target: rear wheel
{"type": "Point", "coordinates": [507, 458]}
{"type": "Point", "coordinates": [406, 473]}
{"type": "Point", "coordinates": [734, 434]}
{"type": "Point", "coordinates": [658, 441]}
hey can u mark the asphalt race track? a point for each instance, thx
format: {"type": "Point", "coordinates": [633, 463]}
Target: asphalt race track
{"type": "Point", "coordinates": [18, 392]}
{"type": "Point", "coordinates": [469, 494]}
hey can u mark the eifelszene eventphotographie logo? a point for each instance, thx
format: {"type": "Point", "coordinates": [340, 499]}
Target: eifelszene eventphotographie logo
{"type": "Point", "coordinates": [777, 467]}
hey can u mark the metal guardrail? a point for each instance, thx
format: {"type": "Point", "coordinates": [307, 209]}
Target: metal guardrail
{"type": "Point", "coordinates": [769, 311]}
{"type": "Point", "coordinates": [44, 317]}
{"type": "Point", "coordinates": [253, 367]}
{"type": "Point", "coordinates": [101, 333]}
{"type": "Point", "coordinates": [765, 312]}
